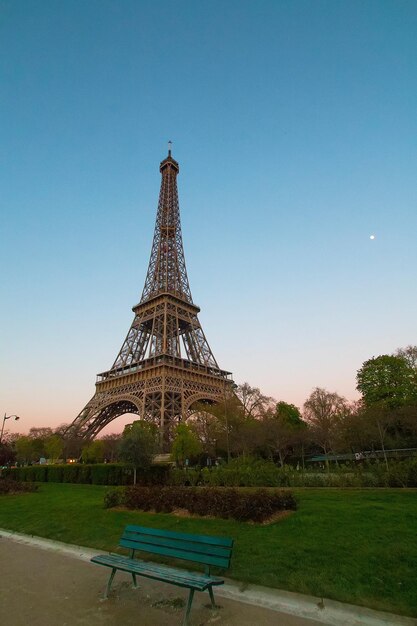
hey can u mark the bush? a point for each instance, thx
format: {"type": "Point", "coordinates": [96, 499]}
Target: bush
{"type": "Point", "coordinates": [10, 487]}
{"type": "Point", "coordinates": [403, 473]}
{"type": "Point", "coordinates": [240, 504]}
{"type": "Point", "coordinates": [186, 477]}
{"type": "Point", "coordinates": [244, 472]}
{"type": "Point", "coordinates": [249, 472]}
{"type": "Point", "coordinates": [113, 497]}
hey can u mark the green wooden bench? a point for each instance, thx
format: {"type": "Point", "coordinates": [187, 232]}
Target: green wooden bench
{"type": "Point", "coordinates": [203, 549]}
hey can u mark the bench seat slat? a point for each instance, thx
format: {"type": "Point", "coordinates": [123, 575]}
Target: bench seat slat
{"type": "Point", "coordinates": [206, 559]}
{"type": "Point", "coordinates": [181, 578]}
{"type": "Point", "coordinates": [193, 546]}
{"type": "Point", "coordinates": [186, 546]}
{"type": "Point", "coordinates": [216, 541]}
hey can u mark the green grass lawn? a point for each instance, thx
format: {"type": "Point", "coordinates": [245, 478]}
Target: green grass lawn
{"type": "Point", "coordinates": [357, 546]}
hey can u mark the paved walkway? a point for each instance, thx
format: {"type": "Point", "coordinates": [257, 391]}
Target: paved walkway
{"type": "Point", "coordinates": [45, 583]}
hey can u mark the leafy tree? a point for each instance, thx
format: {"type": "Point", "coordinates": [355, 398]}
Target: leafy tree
{"type": "Point", "coordinates": [26, 449]}
{"type": "Point", "coordinates": [7, 453]}
{"type": "Point", "coordinates": [282, 430]}
{"type": "Point", "coordinates": [387, 381]}
{"type": "Point", "coordinates": [93, 452]}
{"type": "Point", "coordinates": [138, 445]}
{"type": "Point", "coordinates": [185, 445]}
{"type": "Point", "coordinates": [324, 411]}
{"type": "Point", "coordinates": [207, 429]}
{"type": "Point", "coordinates": [388, 384]}
{"type": "Point", "coordinates": [111, 446]}
{"type": "Point", "coordinates": [54, 447]}
{"type": "Point", "coordinates": [289, 414]}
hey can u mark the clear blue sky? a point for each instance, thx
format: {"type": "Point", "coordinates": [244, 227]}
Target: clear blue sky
{"type": "Point", "coordinates": [295, 126]}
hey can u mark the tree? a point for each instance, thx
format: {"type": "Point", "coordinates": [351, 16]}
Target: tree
{"type": "Point", "coordinates": [409, 355]}
{"type": "Point", "coordinates": [73, 442]}
{"type": "Point", "coordinates": [93, 451]}
{"type": "Point", "coordinates": [41, 432]}
{"type": "Point", "coordinates": [138, 445]}
{"type": "Point", "coordinates": [206, 427]}
{"type": "Point", "coordinates": [254, 403]}
{"type": "Point", "coordinates": [324, 411]}
{"type": "Point", "coordinates": [111, 446]}
{"type": "Point", "coordinates": [185, 445]}
{"type": "Point", "coordinates": [237, 431]}
{"type": "Point", "coordinates": [282, 429]}
{"type": "Point", "coordinates": [387, 381]}
{"type": "Point", "coordinates": [289, 414]}
{"type": "Point", "coordinates": [355, 432]}
{"type": "Point", "coordinates": [54, 447]}
{"type": "Point", "coordinates": [7, 453]}
{"type": "Point", "coordinates": [26, 449]}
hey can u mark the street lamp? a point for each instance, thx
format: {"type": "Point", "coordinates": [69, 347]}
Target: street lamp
{"type": "Point", "coordinates": [7, 417]}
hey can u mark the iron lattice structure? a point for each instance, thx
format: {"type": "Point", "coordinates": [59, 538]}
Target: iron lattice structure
{"type": "Point", "coordinates": [165, 365]}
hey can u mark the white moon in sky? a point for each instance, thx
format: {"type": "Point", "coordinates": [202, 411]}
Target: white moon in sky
{"type": "Point", "coordinates": [372, 237]}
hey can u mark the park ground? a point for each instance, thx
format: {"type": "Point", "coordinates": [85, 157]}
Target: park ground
{"type": "Point", "coordinates": [46, 588]}
{"type": "Point", "coordinates": [355, 546]}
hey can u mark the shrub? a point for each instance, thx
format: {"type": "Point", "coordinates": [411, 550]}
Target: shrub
{"type": "Point", "coordinates": [186, 477]}
{"type": "Point", "coordinates": [403, 473]}
{"type": "Point", "coordinates": [113, 497]}
{"type": "Point", "coordinates": [9, 486]}
{"type": "Point", "coordinates": [241, 504]}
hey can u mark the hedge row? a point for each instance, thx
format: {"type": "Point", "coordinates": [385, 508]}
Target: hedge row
{"type": "Point", "coordinates": [259, 473]}
{"type": "Point", "coordinates": [98, 474]}
{"type": "Point", "coordinates": [243, 505]}
{"type": "Point", "coordinates": [243, 472]}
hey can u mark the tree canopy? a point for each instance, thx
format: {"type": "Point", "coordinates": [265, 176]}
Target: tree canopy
{"type": "Point", "coordinates": [388, 381]}
{"type": "Point", "coordinates": [139, 444]}
{"type": "Point", "coordinates": [185, 445]}
{"type": "Point", "coordinates": [324, 410]}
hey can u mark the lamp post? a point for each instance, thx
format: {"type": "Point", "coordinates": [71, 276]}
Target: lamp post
{"type": "Point", "coordinates": [7, 417]}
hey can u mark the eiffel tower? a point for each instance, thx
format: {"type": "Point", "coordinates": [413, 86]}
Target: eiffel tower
{"type": "Point", "coordinates": [165, 365]}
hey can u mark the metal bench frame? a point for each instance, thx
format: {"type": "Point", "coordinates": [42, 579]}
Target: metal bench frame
{"type": "Point", "coordinates": [203, 549]}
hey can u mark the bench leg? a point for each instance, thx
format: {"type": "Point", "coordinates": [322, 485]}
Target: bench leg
{"type": "Point", "coordinates": [135, 584]}
{"type": "Point", "coordinates": [187, 610]}
{"type": "Point", "coordinates": [213, 604]}
{"type": "Point", "coordinates": [106, 595]}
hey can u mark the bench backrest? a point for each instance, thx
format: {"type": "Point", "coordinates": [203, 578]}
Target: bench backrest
{"type": "Point", "coordinates": [202, 549]}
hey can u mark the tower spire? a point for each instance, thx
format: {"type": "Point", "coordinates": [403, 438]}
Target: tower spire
{"type": "Point", "coordinates": [166, 271]}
